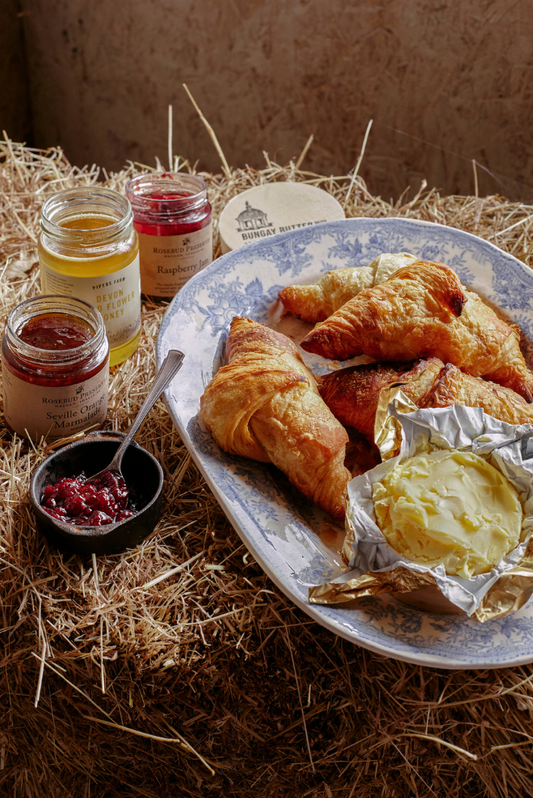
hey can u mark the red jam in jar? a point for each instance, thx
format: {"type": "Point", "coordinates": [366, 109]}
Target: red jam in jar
{"type": "Point", "coordinates": [172, 217]}
{"type": "Point", "coordinates": [55, 368]}
{"type": "Point", "coordinates": [55, 331]}
{"type": "Point", "coordinates": [76, 500]}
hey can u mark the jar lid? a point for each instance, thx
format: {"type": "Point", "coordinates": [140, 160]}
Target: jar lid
{"type": "Point", "coordinates": [274, 208]}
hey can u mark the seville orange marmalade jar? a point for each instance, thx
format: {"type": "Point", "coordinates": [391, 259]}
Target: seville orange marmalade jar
{"type": "Point", "coordinates": [55, 368]}
{"type": "Point", "coordinates": [89, 249]}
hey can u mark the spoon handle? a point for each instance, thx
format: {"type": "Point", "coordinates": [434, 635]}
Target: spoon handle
{"type": "Point", "coordinates": [169, 368]}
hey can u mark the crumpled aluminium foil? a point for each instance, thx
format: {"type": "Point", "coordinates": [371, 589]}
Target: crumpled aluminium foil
{"type": "Point", "coordinates": [402, 431]}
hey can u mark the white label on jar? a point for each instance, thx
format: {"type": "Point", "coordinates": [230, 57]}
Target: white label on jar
{"type": "Point", "coordinates": [52, 412]}
{"type": "Point", "coordinates": [167, 262]}
{"type": "Point", "coordinates": [117, 296]}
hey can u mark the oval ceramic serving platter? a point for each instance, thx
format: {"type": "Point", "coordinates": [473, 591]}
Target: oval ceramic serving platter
{"type": "Point", "coordinates": [296, 544]}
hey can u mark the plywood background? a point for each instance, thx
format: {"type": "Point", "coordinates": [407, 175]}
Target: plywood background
{"type": "Point", "coordinates": [444, 82]}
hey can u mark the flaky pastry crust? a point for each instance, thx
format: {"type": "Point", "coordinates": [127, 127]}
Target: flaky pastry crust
{"type": "Point", "coordinates": [316, 301]}
{"type": "Point", "coordinates": [424, 311]}
{"type": "Point", "coordinates": [264, 404]}
{"type": "Point", "coordinates": [352, 394]}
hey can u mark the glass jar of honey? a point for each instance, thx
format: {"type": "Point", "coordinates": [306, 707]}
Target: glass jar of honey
{"type": "Point", "coordinates": [55, 368]}
{"type": "Point", "coordinates": [89, 249]}
{"type": "Point", "coordinates": [172, 216]}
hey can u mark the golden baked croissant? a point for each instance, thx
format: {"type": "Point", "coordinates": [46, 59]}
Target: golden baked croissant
{"type": "Point", "coordinates": [424, 311]}
{"type": "Point", "coordinates": [264, 404]}
{"type": "Point", "coordinates": [316, 302]}
{"type": "Point", "coordinates": [352, 394]}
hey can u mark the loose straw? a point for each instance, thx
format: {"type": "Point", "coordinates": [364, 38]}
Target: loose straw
{"type": "Point", "coordinates": [180, 644]}
{"type": "Point", "coordinates": [214, 139]}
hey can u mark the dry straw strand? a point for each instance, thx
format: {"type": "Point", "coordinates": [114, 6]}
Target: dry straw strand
{"type": "Point", "coordinates": [211, 132]}
{"type": "Point", "coordinates": [179, 668]}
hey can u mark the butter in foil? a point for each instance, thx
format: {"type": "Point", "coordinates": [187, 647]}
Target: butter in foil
{"type": "Point", "coordinates": [403, 432]}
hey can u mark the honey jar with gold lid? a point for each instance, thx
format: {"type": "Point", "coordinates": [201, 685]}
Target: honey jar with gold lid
{"type": "Point", "coordinates": [89, 249]}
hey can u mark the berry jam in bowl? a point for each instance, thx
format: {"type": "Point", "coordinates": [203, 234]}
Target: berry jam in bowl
{"type": "Point", "coordinates": [104, 517]}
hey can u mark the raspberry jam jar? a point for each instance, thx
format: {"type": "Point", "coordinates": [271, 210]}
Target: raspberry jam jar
{"type": "Point", "coordinates": [172, 217]}
{"type": "Point", "coordinates": [89, 249]}
{"type": "Point", "coordinates": [55, 368]}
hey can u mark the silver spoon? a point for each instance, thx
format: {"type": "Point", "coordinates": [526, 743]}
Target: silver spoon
{"type": "Point", "coordinates": [169, 368]}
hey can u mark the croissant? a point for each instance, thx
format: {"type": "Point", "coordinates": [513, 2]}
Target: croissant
{"type": "Point", "coordinates": [422, 310]}
{"type": "Point", "coordinates": [265, 405]}
{"type": "Point", "coordinates": [352, 394]}
{"type": "Point", "coordinates": [316, 302]}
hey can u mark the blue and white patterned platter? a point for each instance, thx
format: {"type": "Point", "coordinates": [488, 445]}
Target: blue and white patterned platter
{"type": "Point", "coordinates": [297, 545]}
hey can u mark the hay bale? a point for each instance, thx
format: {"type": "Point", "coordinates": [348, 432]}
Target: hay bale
{"type": "Point", "coordinates": [179, 668]}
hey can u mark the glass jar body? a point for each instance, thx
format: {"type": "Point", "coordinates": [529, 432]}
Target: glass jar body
{"type": "Point", "coordinates": [55, 368]}
{"type": "Point", "coordinates": [172, 217]}
{"type": "Point", "coordinates": [89, 249]}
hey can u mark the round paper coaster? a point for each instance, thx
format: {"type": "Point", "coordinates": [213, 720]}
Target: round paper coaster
{"type": "Point", "coordinates": [274, 208]}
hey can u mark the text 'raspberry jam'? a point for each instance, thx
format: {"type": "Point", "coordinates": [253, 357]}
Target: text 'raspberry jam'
{"type": "Point", "coordinates": [172, 217]}
{"type": "Point", "coordinates": [55, 358]}
{"type": "Point", "coordinates": [75, 500]}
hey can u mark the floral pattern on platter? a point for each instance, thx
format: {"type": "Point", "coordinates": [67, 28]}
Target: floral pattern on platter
{"type": "Point", "coordinates": [291, 540]}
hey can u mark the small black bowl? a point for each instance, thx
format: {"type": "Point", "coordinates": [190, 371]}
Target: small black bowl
{"type": "Point", "coordinates": [144, 479]}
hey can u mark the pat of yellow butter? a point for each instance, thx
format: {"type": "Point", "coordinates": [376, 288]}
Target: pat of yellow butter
{"type": "Point", "coordinates": [449, 507]}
